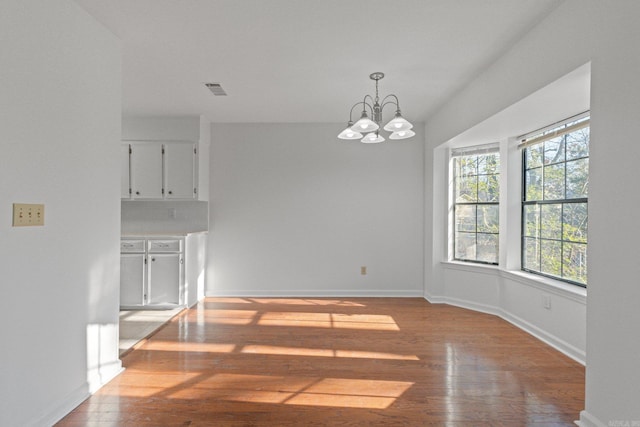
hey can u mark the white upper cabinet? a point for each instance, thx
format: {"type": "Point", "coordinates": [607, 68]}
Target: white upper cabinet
{"type": "Point", "coordinates": [179, 171]}
{"type": "Point", "coordinates": [156, 170]}
{"type": "Point", "coordinates": [146, 171]}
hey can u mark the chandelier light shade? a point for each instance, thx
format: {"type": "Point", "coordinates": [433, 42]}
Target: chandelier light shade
{"type": "Point", "coordinates": [348, 133]}
{"type": "Point", "coordinates": [398, 123]}
{"type": "Point", "coordinates": [402, 134]}
{"type": "Point", "coordinates": [365, 124]}
{"type": "Point", "coordinates": [399, 127]}
{"type": "Point", "coordinates": [372, 138]}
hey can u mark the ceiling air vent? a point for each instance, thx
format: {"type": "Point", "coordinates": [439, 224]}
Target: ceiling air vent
{"type": "Point", "coordinates": [216, 89]}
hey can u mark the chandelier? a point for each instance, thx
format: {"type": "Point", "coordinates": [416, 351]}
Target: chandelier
{"type": "Point", "coordinates": [368, 129]}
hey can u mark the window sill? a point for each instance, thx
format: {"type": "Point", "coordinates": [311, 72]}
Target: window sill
{"type": "Point", "coordinates": [545, 284]}
{"type": "Point", "coordinates": [471, 266]}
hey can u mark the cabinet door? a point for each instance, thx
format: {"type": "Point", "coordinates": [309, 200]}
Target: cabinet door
{"type": "Point", "coordinates": [124, 171]}
{"type": "Point", "coordinates": [179, 161]}
{"type": "Point", "coordinates": [164, 281]}
{"type": "Point", "coordinates": [131, 279]}
{"type": "Point", "coordinates": [146, 171]}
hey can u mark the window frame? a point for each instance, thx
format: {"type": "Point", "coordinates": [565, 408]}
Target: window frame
{"type": "Point", "coordinates": [477, 151]}
{"type": "Point", "coordinates": [563, 202]}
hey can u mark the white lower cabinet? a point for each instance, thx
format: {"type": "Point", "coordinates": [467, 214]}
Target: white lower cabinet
{"type": "Point", "coordinates": [151, 272]}
{"type": "Point", "coordinates": [132, 281]}
{"type": "Point", "coordinates": [164, 278]}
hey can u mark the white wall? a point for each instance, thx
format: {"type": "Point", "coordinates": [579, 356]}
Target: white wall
{"type": "Point", "coordinates": [296, 211]}
{"type": "Point", "coordinates": [148, 217]}
{"type": "Point", "coordinates": [161, 128]}
{"type": "Point", "coordinates": [576, 33]}
{"type": "Point", "coordinates": [60, 107]}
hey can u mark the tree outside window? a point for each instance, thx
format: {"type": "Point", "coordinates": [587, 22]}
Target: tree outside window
{"type": "Point", "coordinates": [555, 204]}
{"type": "Point", "coordinates": [476, 207]}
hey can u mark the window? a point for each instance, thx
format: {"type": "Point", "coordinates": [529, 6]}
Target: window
{"type": "Point", "coordinates": [554, 201]}
{"type": "Point", "coordinates": [476, 177]}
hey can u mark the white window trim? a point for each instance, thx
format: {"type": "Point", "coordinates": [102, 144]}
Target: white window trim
{"type": "Point", "coordinates": [509, 261]}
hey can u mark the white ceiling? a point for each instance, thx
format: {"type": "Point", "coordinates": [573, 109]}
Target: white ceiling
{"type": "Point", "coordinates": [305, 60]}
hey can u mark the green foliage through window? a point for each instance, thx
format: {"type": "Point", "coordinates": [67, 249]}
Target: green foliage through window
{"type": "Point", "coordinates": [555, 205]}
{"type": "Point", "coordinates": [476, 210]}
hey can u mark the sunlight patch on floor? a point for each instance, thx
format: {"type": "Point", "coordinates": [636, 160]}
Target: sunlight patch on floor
{"type": "Point", "coordinates": [230, 317]}
{"type": "Point", "coordinates": [322, 352]}
{"type": "Point", "coordinates": [330, 392]}
{"type": "Point", "coordinates": [329, 320]}
{"type": "Point", "coordinates": [304, 301]}
{"type": "Point", "coordinates": [196, 347]}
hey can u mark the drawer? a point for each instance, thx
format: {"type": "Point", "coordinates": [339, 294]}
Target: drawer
{"type": "Point", "coordinates": [131, 245]}
{"type": "Point", "coordinates": [164, 245]}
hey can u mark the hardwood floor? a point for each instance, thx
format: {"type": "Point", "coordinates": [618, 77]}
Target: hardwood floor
{"type": "Point", "coordinates": [338, 362]}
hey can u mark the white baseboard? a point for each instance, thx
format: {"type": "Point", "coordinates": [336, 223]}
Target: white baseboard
{"type": "Point", "coordinates": [550, 339]}
{"type": "Point", "coordinates": [105, 373]}
{"type": "Point", "coordinates": [318, 294]}
{"type": "Point", "coordinates": [470, 305]}
{"type": "Point", "coordinates": [67, 404]}
{"type": "Point", "coordinates": [588, 420]}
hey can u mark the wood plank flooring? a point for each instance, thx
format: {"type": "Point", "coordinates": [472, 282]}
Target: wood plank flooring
{"type": "Point", "coordinates": [338, 362]}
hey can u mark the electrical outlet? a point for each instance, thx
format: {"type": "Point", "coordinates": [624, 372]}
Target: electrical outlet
{"type": "Point", "coordinates": [546, 301]}
{"type": "Point", "coordinates": [25, 215]}
{"type": "Point", "coordinates": [363, 270]}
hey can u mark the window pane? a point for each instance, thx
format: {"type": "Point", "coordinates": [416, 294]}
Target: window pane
{"type": "Point", "coordinates": [466, 189]}
{"type": "Point", "coordinates": [489, 164]}
{"type": "Point", "coordinates": [533, 184]}
{"type": "Point", "coordinates": [550, 259]}
{"type": "Point", "coordinates": [465, 246]}
{"type": "Point", "coordinates": [577, 178]}
{"type": "Point", "coordinates": [487, 249]}
{"type": "Point", "coordinates": [578, 144]}
{"type": "Point", "coordinates": [488, 216]}
{"type": "Point", "coordinates": [554, 223]}
{"type": "Point", "coordinates": [533, 156]}
{"type": "Point", "coordinates": [574, 219]}
{"type": "Point", "coordinates": [551, 221]}
{"type": "Point", "coordinates": [531, 220]}
{"type": "Point", "coordinates": [531, 258]}
{"type": "Point", "coordinates": [575, 262]}
{"type": "Point", "coordinates": [468, 165]}
{"type": "Point", "coordinates": [465, 218]}
{"type": "Point", "coordinates": [554, 150]}
{"type": "Point", "coordinates": [554, 182]}
{"type": "Point", "coordinates": [476, 176]}
{"type": "Point", "coordinates": [488, 188]}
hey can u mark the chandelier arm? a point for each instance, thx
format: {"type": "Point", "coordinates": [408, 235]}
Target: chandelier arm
{"type": "Point", "coordinates": [364, 107]}
{"type": "Point", "coordinates": [366, 104]}
{"type": "Point", "coordinates": [396, 103]}
{"type": "Point", "coordinates": [364, 101]}
{"type": "Point", "coordinates": [351, 112]}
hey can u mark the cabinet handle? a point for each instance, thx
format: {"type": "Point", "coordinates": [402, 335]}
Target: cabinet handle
{"type": "Point", "coordinates": [170, 192]}
{"type": "Point", "coordinates": [137, 192]}
{"type": "Point", "coordinates": [153, 260]}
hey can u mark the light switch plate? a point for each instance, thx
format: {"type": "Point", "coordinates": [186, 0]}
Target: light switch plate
{"type": "Point", "coordinates": [25, 215]}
